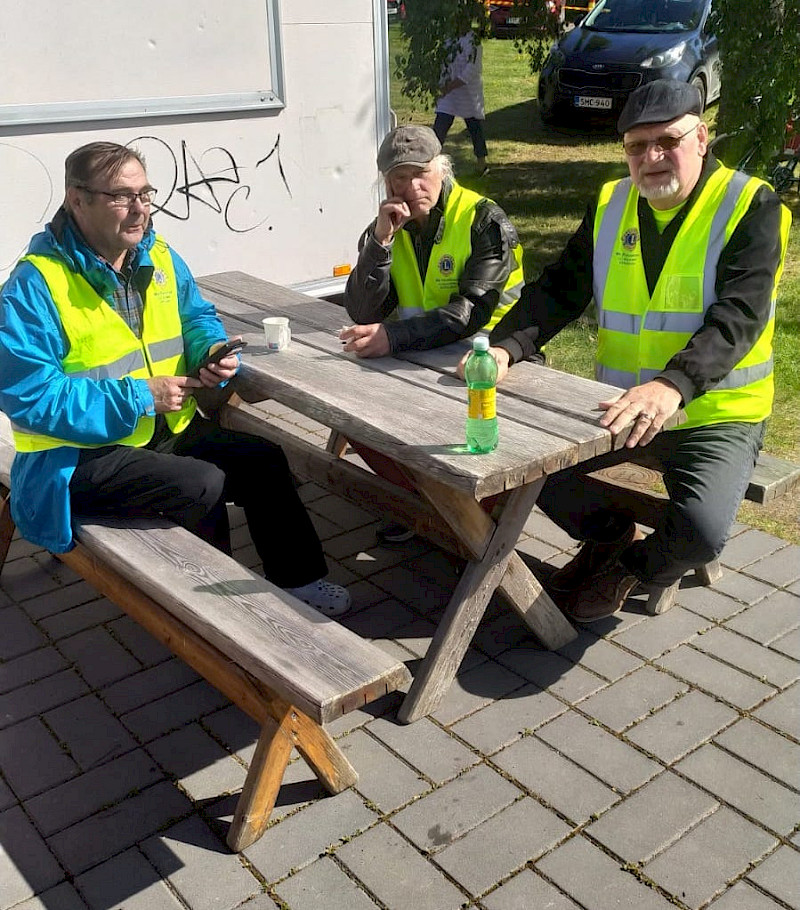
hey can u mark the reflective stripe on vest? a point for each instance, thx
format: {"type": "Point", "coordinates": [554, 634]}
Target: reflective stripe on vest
{"type": "Point", "coordinates": [637, 334]}
{"type": "Point", "coordinates": [447, 260]}
{"type": "Point", "coordinates": [88, 319]}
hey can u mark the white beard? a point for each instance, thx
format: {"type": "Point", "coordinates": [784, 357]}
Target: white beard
{"type": "Point", "coordinates": [661, 190]}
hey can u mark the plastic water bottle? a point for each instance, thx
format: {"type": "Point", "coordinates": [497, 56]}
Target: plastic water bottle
{"type": "Point", "coordinates": [480, 373]}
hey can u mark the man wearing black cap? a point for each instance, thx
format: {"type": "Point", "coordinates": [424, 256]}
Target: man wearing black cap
{"type": "Point", "coordinates": [682, 259]}
{"type": "Point", "coordinates": [438, 263]}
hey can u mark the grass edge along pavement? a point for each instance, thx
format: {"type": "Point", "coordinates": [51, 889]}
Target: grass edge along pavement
{"type": "Point", "coordinates": [544, 176]}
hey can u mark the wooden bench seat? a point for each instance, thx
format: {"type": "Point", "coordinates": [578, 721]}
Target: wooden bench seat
{"type": "Point", "coordinates": [639, 491]}
{"type": "Point", "coordinates": [281, 661]}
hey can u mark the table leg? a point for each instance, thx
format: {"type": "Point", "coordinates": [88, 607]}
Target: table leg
{"type": "Point", "coordinates": [468, 603]}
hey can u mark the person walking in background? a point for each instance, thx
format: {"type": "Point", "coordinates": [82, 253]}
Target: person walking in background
{"type": "Point", "coordinates": [462, 96]}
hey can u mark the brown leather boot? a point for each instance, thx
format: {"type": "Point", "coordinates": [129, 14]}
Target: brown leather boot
{"type": "Point", "coordinates": [603, 595]}
{"type": "Point", "coordinates": [593, 557]}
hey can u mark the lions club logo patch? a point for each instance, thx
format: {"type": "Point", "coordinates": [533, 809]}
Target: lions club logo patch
{"type": "Point", "coordinates": [446, 265]}
{"type": "Point", "coordinates": [630, 239]}
{"type": "Point", "coordinates": [159, 277]}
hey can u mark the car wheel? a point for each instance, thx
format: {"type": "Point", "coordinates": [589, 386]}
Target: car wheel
{"type": "Point", "coordinates": [549, 111]}
{"type": "Point", "coordinates": [699, 83]}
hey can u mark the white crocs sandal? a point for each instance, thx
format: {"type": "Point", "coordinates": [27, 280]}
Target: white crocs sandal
{"type": "Point", "coordinates": [328, 598]}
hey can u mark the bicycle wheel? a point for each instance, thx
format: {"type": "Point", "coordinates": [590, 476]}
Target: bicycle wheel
{"type": "Point", "coordinates": [785, 173]}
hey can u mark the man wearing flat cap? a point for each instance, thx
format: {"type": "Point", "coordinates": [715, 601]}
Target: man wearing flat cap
{"type": "Point", "coordinates": [682, 258]}
{"type": "Point", "coordinates": [438, 263]}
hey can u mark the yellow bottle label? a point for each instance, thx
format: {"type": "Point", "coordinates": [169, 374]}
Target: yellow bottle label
{"type": "Point", "coordinates": [482, 404]}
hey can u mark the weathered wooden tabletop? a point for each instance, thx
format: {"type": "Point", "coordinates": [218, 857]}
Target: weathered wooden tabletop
{"type": "Point", "coordinates": [412, 410]}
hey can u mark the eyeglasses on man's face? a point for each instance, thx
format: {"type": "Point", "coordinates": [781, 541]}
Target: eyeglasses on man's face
{"type": "Point", "coordinates": [635, 148]}
{"type": "Point", "coordinates": [122, 199]}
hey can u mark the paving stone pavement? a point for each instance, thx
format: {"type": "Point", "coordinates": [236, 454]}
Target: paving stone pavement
{"type": "Point", "coordinates": [652, 763]}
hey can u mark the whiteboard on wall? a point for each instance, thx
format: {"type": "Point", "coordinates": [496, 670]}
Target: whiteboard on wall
{"type": "Point", "coordinates": [158, 57]}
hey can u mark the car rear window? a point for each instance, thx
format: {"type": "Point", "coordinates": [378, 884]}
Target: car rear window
{"type": "Point", "coordinates": [645, 15]}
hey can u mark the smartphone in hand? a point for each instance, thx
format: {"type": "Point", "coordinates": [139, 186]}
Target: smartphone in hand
{"type": "Point", "coordinates": [230, 347]}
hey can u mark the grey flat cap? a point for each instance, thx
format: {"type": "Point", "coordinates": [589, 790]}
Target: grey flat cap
{"type": "Point", "coordinates": [409, 144]}
{"type": "Point", "coordinates": [659, 102]}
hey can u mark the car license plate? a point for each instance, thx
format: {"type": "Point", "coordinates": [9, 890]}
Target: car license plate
{"type": "Point", "coordinates": [592, 101]}
{"type": "Point", "coordinates": [513, 20]}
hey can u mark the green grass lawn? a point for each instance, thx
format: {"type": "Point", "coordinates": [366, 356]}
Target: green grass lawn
{"type": "Point", "coordinates": [544, 178]}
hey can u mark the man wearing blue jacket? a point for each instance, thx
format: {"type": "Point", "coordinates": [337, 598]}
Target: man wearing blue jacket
{"type": "Point", "coordinates": [101, 329]}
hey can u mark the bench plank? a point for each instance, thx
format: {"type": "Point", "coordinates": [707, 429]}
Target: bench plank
{"type": "Point", "coordinates": [771, 478]}
{"type": "Point", "coordinates": [306, 658]}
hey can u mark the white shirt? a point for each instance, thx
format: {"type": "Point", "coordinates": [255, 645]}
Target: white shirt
{"type": "Point", "coordinates": [466, 100]}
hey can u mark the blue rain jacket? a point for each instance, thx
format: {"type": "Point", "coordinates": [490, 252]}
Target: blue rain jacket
{"type": "Point", "coordinates": [37, 394]}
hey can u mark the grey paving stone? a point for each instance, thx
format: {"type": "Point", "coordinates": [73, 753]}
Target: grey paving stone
{"type": "Point", "coordinates": [199, 866]}
{"type": "Point", "coordinates": [700, 864]}
{"type": "Point", "coordinates": [62, 897]}
{"type": "Point", "coordinates": [632, 698]}
{"type": "Point", "coordinates": [715, 604]}
{"type": "Point", "coordinates": [528, 891]}
{"type": "Point", "coordinates": [146, 649]}
{"type": "Point", "coordinates": [743, 896]}
{"type": "Point", "coordinates": [396, 873]}
{"type": "Point", "coordinates": [298, 840]}
{"type": "Point", "coordinates": [601, 656]}
{"type": "Point", "coordinates": [62, 806]}
{"type": "Point", "coordinates": [556, 780]}
{"type": "Point", "coordinates": [174, 710]}
{"type": "Point", "coordinates": [662, 633]}
{"type": "Point", "coordinates": [788, 644]}
{"type": "Point", "coordinates": [24, 578]}
{"type": "Point", "coordinates": [744, 788]}
{"type": "Point", "coordinates": [780, 875]}
{"type": "Point", "coordinates": [89, 731]}
{"type": "Point", "coordinates": [415, 636]}
{"type": "Point", "coordinates": [68, 622]}
{"type": "Point", "coordinates": [765, 749]}
{"type": "Point", "coordinates": [652, 818]}
{"type": "Point", "coordinates": [536, 548]}
{"type": "Point", "coordinates": [457, 807]}
{"type": "Point", "coordinates": [499, 633]}
{"type": "Point", "coordinates": [383, 778]}
{"type": "Point", "coordinates": [549, 670]}
{"type": "Point", "coordinates": [506, 720]}
{"type": "Point", "coordinates": [59, 600]}
{"type": "Point", "coordinates": [343, 512]}
{"type": "Point", "coordinates": [783, 711]}
{"type": "Point", "coordinates": [19, 634]}
{"type": "Point", "coordinates": [595, 880]}
{"type": "Point", "coordinates": [715, 677]}
{"type": "Point", "coordinates": [26, 865]}
{"type": "Point", "coordinates": [39, 696]}
{"type": "Point", "coordinates": [613, 761]}
{"type": "Point", "coordinates": [235, 730]}
{"type": "Point", "coordinates": [322, 884]}
{"type": "Point", "coordinates": [779, 568]}
{"type": "Point", "coordinates": [539, 525]}
{"type": "Point", "coordinates": [126, 882]}
{"type": "Point", "coordinates": [112, 830]}
{"type": "Point", "coordinates": [748, 547]}
{"type": "Point", "coordinates": [742, 587]}
{"type": "Point", "coordinates": [7, 797]}
{"type": "Point", "coordinates": [31, 759]}
{"type": "Point", "coordinates": [380, 620]}
{"type": "Point", "coordinates": [202, 767]}
{"type": "Point", "coordinates": [425, 747]}
{"type": "Point", "coordinates": [681, 726]}
{"type": "Point", "coordinates": [30, 667]}
{"type": "Point", "coordinates": [475, 688]}
{"type": "Point", "coordinates": [747, 655]}
{"type": "Point", "coordinates": [769, 619]}
{"type": "Point", "coordinates": [513, 837]}
{"type": "Point", "coordinates": [98, 657]}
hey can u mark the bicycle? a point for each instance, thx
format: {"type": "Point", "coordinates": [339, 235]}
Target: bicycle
{"type": "Point", "coordinates": [785, 172]}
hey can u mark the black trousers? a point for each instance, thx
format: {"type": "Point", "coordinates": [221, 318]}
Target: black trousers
{"type": "Point", "coordinates": [443, 122]}
{"type": "Point", "coordinates": [190, 477]}
{"type": "Point", "coordinates": [706, 472]}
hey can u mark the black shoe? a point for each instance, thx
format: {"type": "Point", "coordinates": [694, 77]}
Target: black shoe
{"type": "Point", "coordinates": [393, 532]}
{"type": "Point", "coordinates": [594, 558]}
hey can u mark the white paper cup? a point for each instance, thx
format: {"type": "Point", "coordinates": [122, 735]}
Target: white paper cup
{"type": "Point", "coordinates": [277, 333]}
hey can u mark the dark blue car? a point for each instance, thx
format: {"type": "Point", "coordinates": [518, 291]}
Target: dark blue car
{"type": "Point", "coordinates": [622, 44]}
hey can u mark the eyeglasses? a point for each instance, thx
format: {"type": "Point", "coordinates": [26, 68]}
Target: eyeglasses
{"type": "Point", "coordinates": [637, 147]}
{"type": "Point", "coordinates": [124, 200]}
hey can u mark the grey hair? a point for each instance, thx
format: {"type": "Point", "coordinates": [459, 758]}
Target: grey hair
{"type": "Point", "coordinates": [98, 159]}
{"type": "Point", "coordinates": [445, 165]}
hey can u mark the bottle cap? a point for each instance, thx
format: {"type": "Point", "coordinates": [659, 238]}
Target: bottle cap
{"type": "Point", "coordinates": [480, 343]}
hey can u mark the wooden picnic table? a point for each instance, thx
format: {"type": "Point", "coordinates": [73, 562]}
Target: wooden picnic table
{"type": "Point", "coordinates": [411, 410]}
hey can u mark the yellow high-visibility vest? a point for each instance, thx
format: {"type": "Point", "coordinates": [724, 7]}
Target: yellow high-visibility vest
{"type": "Point", "coordinates": [448, 257]}
{"type": "Point", "coordinates": [101, 345]}
{"type": "Point", "coordinates": [638, 334]}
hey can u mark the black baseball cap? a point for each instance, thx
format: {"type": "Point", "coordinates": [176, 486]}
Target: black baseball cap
{"type": "Point", "coordinates": [408, 144]}
{"type": "Point", "coordinates": [659, 101]}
